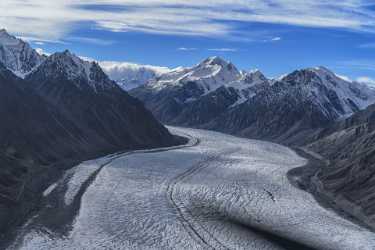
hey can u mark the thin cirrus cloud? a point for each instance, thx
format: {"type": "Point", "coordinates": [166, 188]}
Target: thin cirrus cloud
{"type": "Point", "coordinates": [90, 40]}
{"type": "Point", "coordinates": [275, 39]}
{"type": "Point", "coordinates": [186, 49]}
{"type": "Point", "coordinates": [367, 46]}
{"type": "Point", "coordinates": [367, 65]}
{"type": "Point", "coordinates": [54, 20]}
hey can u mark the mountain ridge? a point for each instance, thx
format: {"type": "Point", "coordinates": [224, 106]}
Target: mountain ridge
{"type": "Point", "coordinates": [310, 98]}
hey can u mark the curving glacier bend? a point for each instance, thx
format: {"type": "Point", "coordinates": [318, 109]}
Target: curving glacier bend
{"type": "Point", "coordinates": [219, 192]}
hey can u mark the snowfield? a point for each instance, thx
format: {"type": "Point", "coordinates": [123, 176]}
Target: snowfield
{"type": "Point", "coordinates": [219, 192]}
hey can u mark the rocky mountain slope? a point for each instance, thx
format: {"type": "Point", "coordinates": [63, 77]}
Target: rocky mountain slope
{"type": "Point", "coordinates": [84, 93]}
{"type": "Point", "coordinates": [65, 110]}
{"type": "Point", "coordinates": [289, 110]}
{"type": "Point", "coordinates": [17, 55]}
{"type": "Point", "coordinates": [32, 135]}
{"type": "Point", "coordinates": [348, 179]}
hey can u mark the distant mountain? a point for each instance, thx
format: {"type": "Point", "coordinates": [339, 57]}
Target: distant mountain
{"type": "Point", "coordinates": [17, 55]}
{"type": "Point", "coordinates": [171, 94]}
{"type": "Point", "coordinates": [289, 110]}
{"type": "Point", "coordinates": [215, 95]}
{"type": "Point", "coordinates": [129, 76]}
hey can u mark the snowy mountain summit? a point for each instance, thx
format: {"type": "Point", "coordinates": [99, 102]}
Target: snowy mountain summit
{"type": "Point", "coordinates": [335, 96]}
{"type": "Point", "coordinates": [209, 75]}
{"type": "Point", "coordinates": [17, 55]}
{"type": "Point", "coordinates": [65, 66]}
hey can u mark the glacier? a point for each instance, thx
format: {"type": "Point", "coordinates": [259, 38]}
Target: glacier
{"type": "Point", "coordinates": [217, 192]}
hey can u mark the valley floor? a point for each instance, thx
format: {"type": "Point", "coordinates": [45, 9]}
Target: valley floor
{"type": "Point", "coordinates": [218, 192]}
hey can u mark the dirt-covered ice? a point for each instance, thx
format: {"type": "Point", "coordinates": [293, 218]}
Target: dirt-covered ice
{"type": "Point", "coordinates": [223, 193]}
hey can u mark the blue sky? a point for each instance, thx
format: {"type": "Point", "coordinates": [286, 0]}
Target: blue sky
{"type": "Point", "coordinates": [275, 36]}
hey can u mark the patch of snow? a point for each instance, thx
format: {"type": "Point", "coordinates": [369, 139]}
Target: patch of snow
{"type": "Point", "coordinates": [50, 189]}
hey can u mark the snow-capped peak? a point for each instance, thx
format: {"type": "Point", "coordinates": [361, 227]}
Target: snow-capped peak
{"type": "Point", "coordinates": [215, 60]}
{"type": "Point", "coordinates": [209, 75]}
{"type": "Point", "coordinates": [324, 86]}
{"type": "Point", "coordinates": [66, 65]}
{"type": "Point", "coordinates": [17, 55]}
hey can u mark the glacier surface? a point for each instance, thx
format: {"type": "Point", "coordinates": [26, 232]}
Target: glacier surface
{"type": "Point", "coordinates": [218, 192]}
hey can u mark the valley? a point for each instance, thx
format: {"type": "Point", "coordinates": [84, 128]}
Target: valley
{"type": "Point", "coordinates": [218, 192]}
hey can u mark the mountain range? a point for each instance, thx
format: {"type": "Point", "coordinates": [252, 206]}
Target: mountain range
{"type": "Point", "coordinates": [215, 95]}
{"type": "Point", "coordinates": [72, 110]}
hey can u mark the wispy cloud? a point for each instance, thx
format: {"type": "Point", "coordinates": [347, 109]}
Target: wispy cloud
{"type": "Point", "coordinates": [366, 80]}
{"type": "Point", "coordinates": [117, 69]}
{"type": "Point", "coordinates": [224, 49]}
{"type": "Point", "coordinates": [368, 65]}
{"type": "Point", "coordinates": [56, 19]}
{"type": "Point", "coordinates": [367, 46]}
{"type": "Point", "coordinates": [186, 49]}
{"type": "Point", "coordinates": [91, 40]}
{"type": "Point", "coordinates": [275, 39]}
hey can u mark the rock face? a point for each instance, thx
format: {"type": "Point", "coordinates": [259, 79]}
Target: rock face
{"type": "Point", "coordinates": [349, 178]}
{"type": "Point", "coordinates": [32, 135]}
{"type": "Point", "coordinates": [215, 95]}
{"type": "Point", "coordinates": [17, 55]}
{"type": "Point", "coordinates": [31, 129]}
{"type": "Point", "coordinates": [82, 91]}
